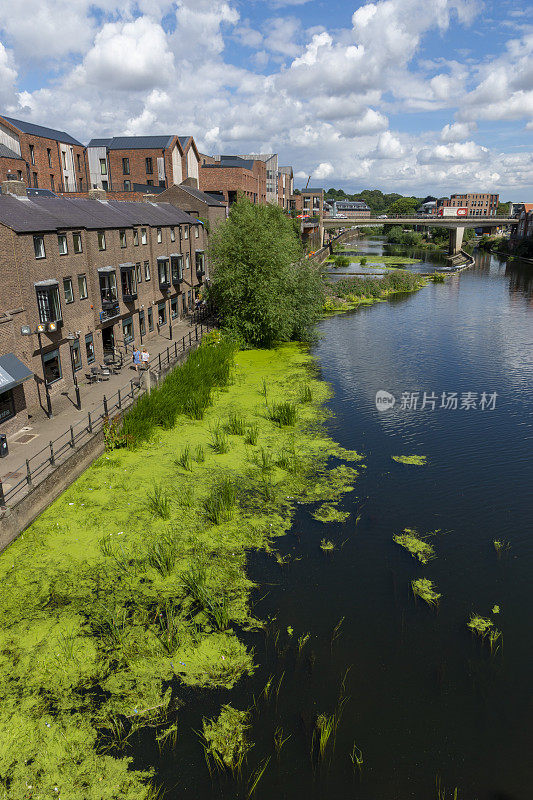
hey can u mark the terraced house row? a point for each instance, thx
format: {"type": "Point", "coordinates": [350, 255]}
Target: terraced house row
{"type": "Point", "coordinates": [84, 278]}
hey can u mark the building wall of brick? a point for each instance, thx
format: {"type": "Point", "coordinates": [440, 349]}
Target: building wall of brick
{"type": "Point", "coordinates": [20, 270]}
{"type": "Point", "coordinates": [15, 166]}
{"type": "Point", "coordinates": [479, 204]}
{"type": "Point", "coordinates": [45, 168]}
{"type": "Point", "coordinates": [232, 181]}
{"type": "Point", "coordinates": [137, 166]}
{"type": "Point", "coordinates": [192, 205]}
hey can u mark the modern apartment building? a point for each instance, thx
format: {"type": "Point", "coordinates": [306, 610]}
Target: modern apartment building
{"type": "Point", "coordinates": [234, 175]}
{"type": "Point", "coordinates": [286, 188]}
{"type": "Point", "coordinates": [351, 209]}
{"type": "Point", "coordinates": [479, 205]}
{"type": "Point", "coordinates": [271, 162]}
{"type": "Point", "coordinates": [311, 202]}
{"type": "Point", "coordinates": [81, 279]}
{"type": "Point", "coordinates": [42, 157]}
{"type": "Point", "coordinates": [120, 162]}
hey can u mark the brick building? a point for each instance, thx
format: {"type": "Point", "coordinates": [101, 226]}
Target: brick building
{"type": "Point", "coordinates": [42, 157]}
{"type": "Point", "coordinates": [310, 202]}
{"type": "Point", "coordinates": [479, 205]}
{"type": "Point", "coordinates": [524, 229]}
{"type": "Point", "coordinates": [121, 162]}
{"type": "Point", "coordinates": [271, 163]}
{"type": "Point", "coordinates": [233, 175]}
{"type": "Point", "coordinates": [194, 202]}
{"type": "Point", "coordinates": [286, 197]}
{"type": "Point", "coordinates": [95, 276]}
{"type": "Point", "coordinates": [351, 209]}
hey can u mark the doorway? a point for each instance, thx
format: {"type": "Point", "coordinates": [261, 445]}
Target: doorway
{"type": "Point", "coordinates": [108, 341]}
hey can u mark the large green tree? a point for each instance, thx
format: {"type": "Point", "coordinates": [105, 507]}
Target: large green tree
{"type": "Point", "coordinates": [404, 205]}
{"type": "Point", "coordinates": [262, 287]}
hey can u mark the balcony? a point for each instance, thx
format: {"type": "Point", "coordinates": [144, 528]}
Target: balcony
{"type": "Point", "coordinates": [110, 309]}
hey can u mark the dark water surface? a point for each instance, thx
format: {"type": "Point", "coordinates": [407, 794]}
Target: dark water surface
{"type": "Point", "coordinates": [426, 699]}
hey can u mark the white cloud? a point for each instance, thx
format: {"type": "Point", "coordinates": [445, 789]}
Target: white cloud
{"type": "Point", "coordinates": [8, 77]}
{"type": "Point", "coordinates": [324, 170]}
{"type": "Point", "coordinates": [388, 147]}
{"type": "Point", "coordinates": [453, 153]}
{"type": "Point", "coordinates": [456, 132]}
{"type": "Point", "coordinates": [129, 56]}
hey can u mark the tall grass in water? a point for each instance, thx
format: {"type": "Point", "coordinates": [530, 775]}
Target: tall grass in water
{"type": "Point", "coordinates": [162, 552]}
{"type": "Point", "coordinates": [185, 390]}
{"type": "Point", "coordinates": [283, 413]}
{"type": "Point", "coordinates": [216, 608]}
{"type": "Point", "coordinates": [252, 434]}
{"type": "Point", "coordinates": [184, 460]}
{"type": "Point", "coordinates": [220, 504]}
{"type": "Point", "coordinates": [371, 288]}
{"type": "Point", "coordinates": [236, 424]}
{"type": "Point", "coordinates": [219, 440]}
{"type": "Point", "coordinates": [159, 502]}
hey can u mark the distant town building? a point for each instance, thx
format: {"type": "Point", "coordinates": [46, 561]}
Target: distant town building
{"type": "Point", "coordinates": [311, 202]}
{"type": "Point", "coordinates": [271, 162]}
{"type": "Point", "coordinates": [524, 229]}
{"type": "Point", "coordinates": [198, 204]}
{"type": "Point", "coordinates": [478, 205]}
{"type": "Point", "coordinates": [351, 209]}
{"type": "Point", "coordinates": [42, 157]}
{"type": "Point", "coordinates": [286, 188]}
{"type": "Point", "coordinates": [120, 162]}
{"type": "Point", "coordinates": [428, 208]}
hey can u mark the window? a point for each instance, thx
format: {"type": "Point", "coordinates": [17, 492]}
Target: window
{"type": "Point", "coordinates": [32, 154]}
{"type": "Point", "coordinates": [76, 243]}
{"type": "Point", "coordinates": [19, 174]}
{"type": "Point", "coordinates": [104, 185]}
{"type": "Point", "coordinates": [79, 162]}
{"type": "Point", "coordinates": [174, 311]}
{"type": "Point", "coordinates": [127, 330]}
{"type": "Point", "coordinates": [150, 319]}
{"type": "Point", "coordinates": [38, 246]}
{"type": "Point", "coordinates": [35, 181]}
{"type": "Point", "coordinates": [164, 271]}
{"type": "Point", "coordinates": [146, 270]}
{"type": "Point", "coordinates": [122, 235]}
{"type": "Point", "coordinates": [149, 166]}
{"type": "Point", "coordinates": [89, 348]}
{"type": "Point", "coordinates": [52, 184]}
{"type": "Point", "coordinates": [144, 239]}
{"type": "Point", "coordinates": [149, 183]}
{"type": "Point", "coordinates": [75, 355]}
{"type": "Point", "coordinates": [81, 184]}
{"type": "Point", "coordinates": [64, 159]}
{"type": "Point", "coordinates": [161, 313]}
{"type": "Point", "coordinates": [62, 244]}
{"type": "Point", "coordinates": [139, 272]}
{"type": "Point", "coordinates": [127, 186]}
{"type": "Point", "coordinates": [142, 323]}
{"type": "Point", "coordinates": [68, 290]}
{"type": "Point", "coordinates": [82, 286]}
{"type": "Point", "coordinates": [172, 235]}
{"type": "Point", "coordinates": [103, 166]}
{"type": "Point", "coordinates": [52, 366]}
{"type": "Point", "coordinates": [135, 237]}
{"type": "Point", "coordinates": [187, 261]}
{"type": "Point", "coordinates": [129, 285]}
{"type": "Point", "coordinates": [186, 232]}
{"type": "Point", "coordinates": [159, 235]}
{"type": "Point", "coordinates": [101, 240]}
{"type": "Point", "coordinates": [200, 263]}
{"type": "Point", "coordinates": [196, 231]}
{"type": "Point", "coordinates": [108, 287]}
{"type": "Point", "coordinates": [49, 154]}
{"type": "Point", "coordinates": [125, 166]}
{"type": "Point", "coordinates": [176, 264]}
{"type": "Point", "coordinates": [7, 406]}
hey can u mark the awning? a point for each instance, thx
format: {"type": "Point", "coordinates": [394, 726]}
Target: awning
{"type": "Point", "coordinates": [51, 282]}
{"type": "Point", "coordinates": [12, 372]}
{"type": "Point", "coordinates": [108, 269]}
{"type": "Point", "coordinates": [199, 251]}
{"type": "Point", "coordinates": [162, 258]}
{"type": "Point", "coordinates": [127, 266]}
{"type": "Point", "coordinates": [175, 255]}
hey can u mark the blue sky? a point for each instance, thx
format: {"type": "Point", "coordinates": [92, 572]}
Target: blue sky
{"type": "Point", "coordinates": [403, 95]}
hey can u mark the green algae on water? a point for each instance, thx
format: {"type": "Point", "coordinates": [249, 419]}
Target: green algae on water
{"type": "Point", "coordinates": [415, 461]}
{"type": "Point", "coordinates": [329, 513]}
{"type": "Point", "coordinates": [416, 545]}
{"type": "Point", "coordinates": [327, 546]}
{"type": "Point", "coordinates": [225, 739]}
{"type": "Point", "coordinates": [480, 625]}
{"type": "Point", "coordinates": [425, 589]}
{"type": "Point", "coordinates": [100, 611]}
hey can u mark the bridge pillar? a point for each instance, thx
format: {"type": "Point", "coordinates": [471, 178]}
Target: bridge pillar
{"type": "Point", "coordinates": [456, 240]}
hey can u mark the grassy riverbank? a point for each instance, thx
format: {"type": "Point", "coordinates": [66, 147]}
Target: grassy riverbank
{"type": "Point", "coordinates": [350, 293]}
{"type": "Point", "coordinates": [134, 583]}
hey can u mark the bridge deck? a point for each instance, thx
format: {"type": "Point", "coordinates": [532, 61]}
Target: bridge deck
{"type": "Point", "coordinates": [434, 222]}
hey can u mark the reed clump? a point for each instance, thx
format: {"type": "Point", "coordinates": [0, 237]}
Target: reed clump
{"type": "Point", "coordinates": [425, 589]}
{"type": "Point", "coordinates": [219, 440]}
{"type": "Point", "coordinates": [236, 424]}
{"type": "Point", "coordinates": [252, 434]}
{"type": "Point", "coordinates": [285, 413]}
{"type": "Point", "coordinates": [220, 504]}
{"type": "Point", "coordinates": [416, 545]}
{"type": "Point", "coordinates": [185, 460]}
{"type": "Point", "coordinates": [225, 739]}
{"type": "Point", "coordinates": [159, 503]}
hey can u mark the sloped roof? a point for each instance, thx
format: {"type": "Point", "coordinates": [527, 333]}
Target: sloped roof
{"type": "Point", "coordinates": [40, 130]}
{"type": "Point", "coordinates": [205, 198]}
{"type": "Point", "coordinates": [99, 142]}
{"type": "Point", "coordinates": [5, 152]}
{"type": "Point", "coordinates": [45, 214]}
{"type": "Point", "coordinates": [140, 142]}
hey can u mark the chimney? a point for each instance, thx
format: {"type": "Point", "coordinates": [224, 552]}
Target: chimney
{"type": "Point", "coordinates": [192, 182]}
{"type": "Point", "coordinates": [13, 186]}
{"type": "Point", "coordinates": [97, 194]}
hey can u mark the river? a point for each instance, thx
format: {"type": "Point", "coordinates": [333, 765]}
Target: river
{"type": "Point", "coordinates": [425, 699]}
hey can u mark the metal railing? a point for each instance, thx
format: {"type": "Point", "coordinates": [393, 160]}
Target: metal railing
{"type": "Point", "coordinates": [60, 449]}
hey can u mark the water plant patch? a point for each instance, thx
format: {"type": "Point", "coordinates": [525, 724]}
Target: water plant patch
{"type": "Point", "coordinates": [416, 544]}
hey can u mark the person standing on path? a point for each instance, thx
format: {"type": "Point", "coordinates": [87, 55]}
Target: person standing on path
{"type": "Point", "coordinates": [136, 358]}
{"type": "Point", "coordinates": [145, 358]}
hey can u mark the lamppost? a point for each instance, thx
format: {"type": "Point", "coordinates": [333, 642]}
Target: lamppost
{"type": "Point", "coordinates": [170, 318]}
{"type": "Point", "coordinates": [41, 328]}
{"type": "Point", "coordinates": [75, 337]}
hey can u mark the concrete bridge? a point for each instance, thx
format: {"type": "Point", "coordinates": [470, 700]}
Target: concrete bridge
{"type": "Point", "coordinates": [456, 225]}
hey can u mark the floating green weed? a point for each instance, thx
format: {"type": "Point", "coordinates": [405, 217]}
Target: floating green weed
{"type": "Point", "coordinates": [356, 757]}
{"type": "Point", "coordinates": [415, 461]}
{"type": "Point", "coordinates": [225, 739]}
{"type": "Point", "coordinates": [437, 277]}
{"type": "Point", "coordinates": [480, 625]}
{"type": "Point", "coordinates": [264, 460]}
{"type": "Point", "coordinates": [415, 544]}
{"type": "Point", "coordinates": [501, 546]}
{"type": "Point", "coordinates": [424, 588]}
{"type": "Point", "coordinates": [329, 513]}
{"type": "Point", "coordinates": [327, 546]}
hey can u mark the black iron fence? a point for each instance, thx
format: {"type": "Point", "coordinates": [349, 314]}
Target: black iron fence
{"type": "Point", "coordinates": [59, 450]}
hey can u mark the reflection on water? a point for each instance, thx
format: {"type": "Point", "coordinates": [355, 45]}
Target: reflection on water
{"type": "Point", "coordinates": [427, 260]}
{"type": "Point", "coordinates": [425, 698]}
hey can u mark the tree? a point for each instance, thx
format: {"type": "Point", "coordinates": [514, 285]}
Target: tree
{"type": "Point", "coordinates": [503, 209]}
{"type": "Point", "coordinates": [405, 205]}
{"type": "Point", "coordinates": [262, 287]}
